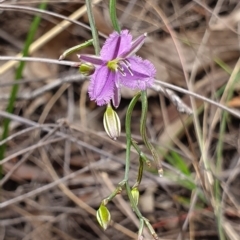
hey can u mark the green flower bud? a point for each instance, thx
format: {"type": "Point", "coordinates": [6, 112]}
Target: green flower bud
{"type": "Point", "coordinates": [86, 69]}
{"type": "Point", "coordinates": [135, 194]}
{"type": "Point", "coordinates": [103, 216]}
{"type": "Point", "coordinates": [111, 123]}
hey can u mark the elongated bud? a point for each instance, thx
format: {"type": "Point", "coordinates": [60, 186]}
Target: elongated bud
{"type": "Point", "coordinates": [103, 216]}
{"type": "Point", "coordinates": [111, 123]}
{"type": "Point", "coordinates": [135, 194]}
{"type": "Point", "coordinates": [86, 69]}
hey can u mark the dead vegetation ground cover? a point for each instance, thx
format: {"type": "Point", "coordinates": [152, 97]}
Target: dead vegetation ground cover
{"type": "Point", "coordinates": [60, 164]}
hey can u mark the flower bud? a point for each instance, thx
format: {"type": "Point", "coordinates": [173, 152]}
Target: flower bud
{"type": "Point", "coordinates": [86, 69]}
{"type": "Point", "coordinates": [111, 123]}
{"type": "Point", "coordinates": [103, 216]}
{"type": "Point", "coordinates": [135, 194]}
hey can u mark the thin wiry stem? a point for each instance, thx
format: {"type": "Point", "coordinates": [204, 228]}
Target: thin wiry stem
{"type": "Point", "coordinates": [35, 59]}
{"type": "Point", "coordinates": [155, 87]}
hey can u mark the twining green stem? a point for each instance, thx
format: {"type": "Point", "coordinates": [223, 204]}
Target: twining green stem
{"type": "Point", "coordinates": [10, 107]}
{"type": "Point", "coordinates": [144, 134]}
{"type": "Point", "coordinates": [113, 15]}
{"type": "Point", "coordinates": [124, 182]}
{"type": "Point", "coordinates": [128, 148]}
{"type": "Point", "coordinates": [128, 132]}
{"type": "Point", "coordinates": [127, 165]}
{"type": "Point", "coordinates": [93, 27]}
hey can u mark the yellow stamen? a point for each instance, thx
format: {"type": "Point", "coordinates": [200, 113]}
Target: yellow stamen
{"type": "Point", "coordinates": [113, 65]}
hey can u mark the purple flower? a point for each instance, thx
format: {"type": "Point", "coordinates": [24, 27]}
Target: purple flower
{"type": "Point", "coordinates": [118, 65]}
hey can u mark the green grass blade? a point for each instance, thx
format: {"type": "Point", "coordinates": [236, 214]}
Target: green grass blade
{"type": "Point", "coordinates": [179, 163]}
{"type": "Point", "coordinates": [219, 163]}
{"type": "Point", "coordinates": [93, 27]}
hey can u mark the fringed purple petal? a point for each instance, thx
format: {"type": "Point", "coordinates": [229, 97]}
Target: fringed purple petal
{"type": "Point", "coordinates": [140, 74]}
{"type": "Point", "coordinates": [136, 44]}
{"type": "Point", "coordinates": [101, 88]}
{"type": "Point", "coordinates": [116, 45]}
{"type": "Point", "coordinates": [96, 60]}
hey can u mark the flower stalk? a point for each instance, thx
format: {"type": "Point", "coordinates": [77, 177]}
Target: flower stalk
{"type": "Point", "coordinates": [144, 134]}
{"type": "Point", "coordinates": [115, 65]}
{"type": "Point", "coordinates": [93, 27]}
